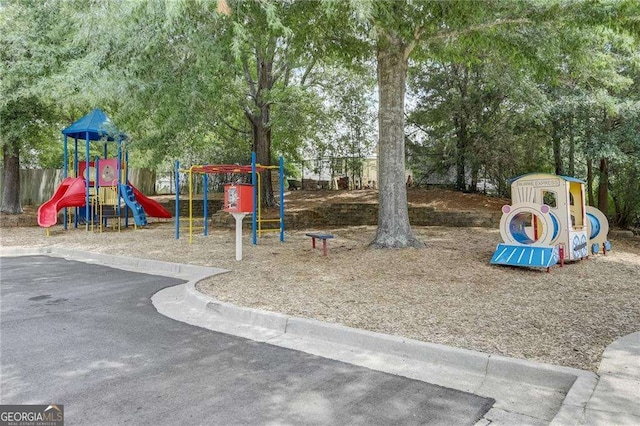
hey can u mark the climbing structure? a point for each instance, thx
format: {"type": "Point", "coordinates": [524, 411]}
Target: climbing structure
{"type": "Point", "coordinates": [95, 187]}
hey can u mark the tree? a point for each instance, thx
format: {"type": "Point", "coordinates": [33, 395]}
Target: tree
{"type": "Point", "coordinates": [469, 116]}
{"type": "Point", "coordinates": [269, 51]}
{"type": "Point", "coordinates": [344, 132]}
{"type": "Point", "coordinates": [192, 72]}
{"type": "Point", "coordinates": [399, 28]}
{"type": "Point", "coordinates": [497, 103]}
{"type": "Point", "coordinates": [31, 49]}
{"type": "Point", "coordinates": [392, 53]}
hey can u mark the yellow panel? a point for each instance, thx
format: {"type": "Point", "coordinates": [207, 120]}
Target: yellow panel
{"type": "Point", "coordinates": [576, 208]}
{"type": "Point", "coordinates": [109, 196]}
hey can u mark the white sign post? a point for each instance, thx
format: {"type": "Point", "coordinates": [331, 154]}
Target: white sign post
{"type": "Point", "coordinates": [238, 217]}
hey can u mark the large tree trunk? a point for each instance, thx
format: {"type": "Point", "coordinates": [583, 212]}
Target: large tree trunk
{"type": "Point", "coordinates": [557, 148]}
{"type": "Point", "coordinates": [572, 148]}
{"type": "Point", "coordinates": [394, 230]}
{"type": "Point", "coordinates": [263, 142]}
{"type": "Point", "coordinates": [590, 181]}
{"type": "Point", "coordinates": [461, 122]}
{"type": "Point", "coordinates": [11, 178]}
{"type": "Point", "coordinates": [262, 148]}
{"type": "Point", "coordinates": [461, 153]}
{"type": "Point", "coordinates": [259, 116]}
{"type": "Point", "coordinates": [475, 171]}
{"type": "Point", "coordinates": [603, 187]}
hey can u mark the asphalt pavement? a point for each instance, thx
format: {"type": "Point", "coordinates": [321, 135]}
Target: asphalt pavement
{"type": "Point", "coordinates": [87, 336]}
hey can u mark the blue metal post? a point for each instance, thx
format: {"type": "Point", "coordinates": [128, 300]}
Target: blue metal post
{"type": "Point", "coordinates": [254, 182]}
{"type": "Point", "coordinates": [65, 172]}
{"type": "Point", "coordinates": [87, 182]}
{"type": "Point", "coordinates": [206, 204]}
{"type": "Point", "coordinates": [76, 160]}
{"type": "Point", "coordinates": [119, 171]}
{"type": "Point", "coordinates": [76, 163]}
{"type": "Point", "coordinates": [281, 198]}
{"type": "Point", "coordinates": [96, 185]}
{"type": "Point", "coordinates": [177, 215]}
{"type": "Point", "coordinates": [124, 165]}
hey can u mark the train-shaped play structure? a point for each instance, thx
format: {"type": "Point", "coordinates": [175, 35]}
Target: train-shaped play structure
{"type": "Point", "coordinates": [549, 222]}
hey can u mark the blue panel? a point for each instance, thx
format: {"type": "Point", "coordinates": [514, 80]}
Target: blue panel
{"type": "Point", "coordinates": [522, 255]}
{"type": "Point", "coordinates": [566, 178]}
{"type": "Point", "coordinates": [517, 228]}
{"type": "Point", "coordinates": [94, 126]}
{"type": "Point", "coordinates": [556, 226]}
{"type": "Point", "coordinates": [595, 225]}
{"type": "Point", "coordinates": [572, 179]}
{"type": "Point", "coordinates": [129, 198]}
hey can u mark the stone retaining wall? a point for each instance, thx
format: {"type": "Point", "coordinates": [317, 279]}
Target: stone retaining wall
{"type": "Point", "coordinates": [197, 207]}
{"type": "Point", "coordinates": [332, 215]}
{"type": "Point", "coordinates": [17, 220]}
{"type": "Point", "coordinates": [337, 215]}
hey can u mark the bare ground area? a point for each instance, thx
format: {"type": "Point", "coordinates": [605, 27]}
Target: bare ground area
{"type": "Point", "coordinates": [436, 198]}
{"type": "Point", "coordinates": [445, 293]}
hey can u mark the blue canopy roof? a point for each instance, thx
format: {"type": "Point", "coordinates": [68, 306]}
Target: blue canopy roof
{"type": "Point", "coordinates": [567, 178]}
{"type": "Point", "coordinates": [97, 125]}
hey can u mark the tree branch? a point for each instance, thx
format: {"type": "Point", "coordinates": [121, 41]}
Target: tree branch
{"type": "Point", "coordinates": [247, 113]}
{"type": "Point", "coordinates": [235, 129]}
{"type": "Point", "coordinates": [418, 126]}
{"type": "Point", "coordinates": [247, 76]}
{"type": "Point", "coordinates": [283, 70]}
{"type": "Point", "coordinates": [417, 35]}
{"type": "Point", "coordinates": [307, 71]}
{"type": "Point", "coordinates": [496, 23]}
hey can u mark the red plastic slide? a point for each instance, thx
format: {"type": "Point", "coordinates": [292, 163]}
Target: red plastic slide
{"type": "Point", "coordinates": [70, 193]}
{"type": "Point", "coordinates": [151, 207]}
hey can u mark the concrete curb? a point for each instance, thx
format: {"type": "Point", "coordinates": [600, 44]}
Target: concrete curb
{"type": "Point", "coordinates": [153, 267]}
{"type": "Point", "coordinates": [476, 368]}
{"type": "Point", "coordinates": [474, 362]}
{"type": "Point", "coordinates": [548, 393]}
{"type": "Point", "coordinates": [229, 312]}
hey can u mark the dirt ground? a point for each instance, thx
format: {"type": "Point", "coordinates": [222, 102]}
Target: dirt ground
{"type": "Point", "coordinates": [436, 198]}
{"type": "Point", "coordinates": [446, 293]}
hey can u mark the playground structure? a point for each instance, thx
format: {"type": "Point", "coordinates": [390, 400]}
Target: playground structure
{"type": "Point", "coordinates": [95, 188]}
{"type": "Point", "coordinates": [548, 222]}
{"type": "Point", "coordinates": [252, 206]}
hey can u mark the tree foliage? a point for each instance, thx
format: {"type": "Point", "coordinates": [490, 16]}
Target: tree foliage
{"type": "Point", "coordinates": [496, 88]}
{"type": "Point", "coordinates": [542, 97]}
{"type": "Point", "coordinates": [33, 46]}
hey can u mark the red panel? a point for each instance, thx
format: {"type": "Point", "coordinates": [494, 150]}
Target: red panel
{"type": "Point", "coordinates": [151, 207]}
{"type": "Point", "coordinates": [108, 171]}
{"type": "Point", "coordinates": [238, 198]}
